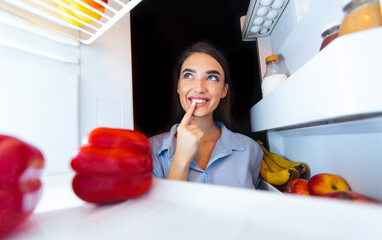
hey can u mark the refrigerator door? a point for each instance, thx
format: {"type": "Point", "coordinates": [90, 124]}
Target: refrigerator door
{"type": "Point", "coordinates": [328, 112]}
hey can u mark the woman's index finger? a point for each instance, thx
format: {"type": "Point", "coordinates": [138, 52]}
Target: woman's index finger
{"type": "Point", "coordinates": [186, 118]}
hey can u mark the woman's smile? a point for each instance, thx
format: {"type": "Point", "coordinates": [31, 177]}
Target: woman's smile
{"type": "Point", "coordinates": [199, 101]}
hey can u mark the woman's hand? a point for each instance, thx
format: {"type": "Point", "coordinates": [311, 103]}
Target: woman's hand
{"type": "Point", "coordinates": [188, 136]}
{"type": "Point", "coordinates": [187, 145]}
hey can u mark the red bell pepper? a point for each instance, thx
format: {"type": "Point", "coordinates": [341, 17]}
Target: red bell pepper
{"type": "Point", "coordinates": [20, 187]}
{"type": "Point", "coordinates": [112, 165]}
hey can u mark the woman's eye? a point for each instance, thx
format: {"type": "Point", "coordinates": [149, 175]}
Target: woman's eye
{"type": "Point", "coordinates": [187, 75]}
{"type": "Point", "coordinates": [212, 77]}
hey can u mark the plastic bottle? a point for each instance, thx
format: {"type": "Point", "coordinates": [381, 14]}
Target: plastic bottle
{"type": "Point", "coordinates": [274, 75]}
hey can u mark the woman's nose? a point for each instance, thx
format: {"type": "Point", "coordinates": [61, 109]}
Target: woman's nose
{"type": "Point", "coordinates": [200, 85]}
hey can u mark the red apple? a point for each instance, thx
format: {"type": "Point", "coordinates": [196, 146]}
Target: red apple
{"type": "Point", "coordinates": [326, 183]}
{"type": "Point", "coordinates": [298, 186]}
{"type": "Point", "coordinates": [349, 195]}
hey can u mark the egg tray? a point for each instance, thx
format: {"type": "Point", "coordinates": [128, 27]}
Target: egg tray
{"type": "Point", "coordinates": [261, 18]}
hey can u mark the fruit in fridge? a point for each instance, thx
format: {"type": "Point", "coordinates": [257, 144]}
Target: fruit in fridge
{"type": "Point", "coordinates": [350, 195]}
{"type": "Point", "coordinates": [81, 8]}
{"type": "Point", "coordinates": [298, 186]}
{"type": "Point", "coordinates": [279, 171]}
{"type": "Point", "coordinates": [326, 183]}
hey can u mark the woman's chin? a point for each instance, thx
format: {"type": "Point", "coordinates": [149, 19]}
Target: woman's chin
{"type": "Point", "coordinates": [201, 114]}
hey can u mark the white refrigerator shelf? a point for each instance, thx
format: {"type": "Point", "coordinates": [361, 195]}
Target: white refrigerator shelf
{"type": "Point", "coordinates": [183, 210]}
{"type": "Point", "coordinates": [45, 18]}
{"type": "Point", "coordinates": [342, 82]}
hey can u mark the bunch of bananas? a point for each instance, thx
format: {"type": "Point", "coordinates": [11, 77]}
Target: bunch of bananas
{"type": "Point", "coordinates": [279, 171]}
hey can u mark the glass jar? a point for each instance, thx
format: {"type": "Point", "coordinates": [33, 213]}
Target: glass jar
{"type": "Point", "coordinates": [329, 34]}
{"type": "Point", "coordinates": [361, 15]}
{"type": "Point", "coordinates": [274, 74]}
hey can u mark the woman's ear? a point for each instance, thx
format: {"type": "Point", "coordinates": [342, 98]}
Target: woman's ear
{"type": "Point", "coordinates": [225, 90]}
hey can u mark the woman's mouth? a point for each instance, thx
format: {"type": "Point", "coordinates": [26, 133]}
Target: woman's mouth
{"type": "Point", "coordinates": [198, 101]}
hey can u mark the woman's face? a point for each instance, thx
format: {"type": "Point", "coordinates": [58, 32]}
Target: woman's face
{"type": "Point", "coordinates": [201, 79]}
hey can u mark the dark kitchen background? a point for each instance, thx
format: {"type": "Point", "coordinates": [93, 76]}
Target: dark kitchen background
{"type": "Point", "coordinates": [161, 30]}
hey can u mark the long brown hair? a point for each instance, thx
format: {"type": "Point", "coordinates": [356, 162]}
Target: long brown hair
{"type": "Point", "coordinates": [223, 112]}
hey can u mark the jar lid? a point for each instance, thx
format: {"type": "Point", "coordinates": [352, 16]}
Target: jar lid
{"type": "Point", "coordinates": [271, 58]}
{"type": "Point", "coordinates": [349, 6]}
{"type": "Point", "coordinates": [345, 2]}
{"type": "Point", "coordinates": [330, 28]}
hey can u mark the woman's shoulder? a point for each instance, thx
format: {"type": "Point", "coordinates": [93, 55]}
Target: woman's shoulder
{"type": "Point", "coordinates": [243, 139]}
{"type": "Point", "coordinates": [246, 140]}
{"type": "Point", "coordinates": [159, 140]}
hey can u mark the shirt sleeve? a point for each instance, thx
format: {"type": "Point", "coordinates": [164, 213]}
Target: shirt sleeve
{"type": "Point", "coordinates": [256, 164]}
{"type": "Point", "coordinates": [158, 171]}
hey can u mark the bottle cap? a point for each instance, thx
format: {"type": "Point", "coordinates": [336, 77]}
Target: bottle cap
{"type": "Point", "coordinates": [350, 5]}
{"type": "Point", "coordinates": [271, 58]}
{"type": "Point", "coordinates": [345, 2]}
{"type": "Point", "coordinates": [330, 27]}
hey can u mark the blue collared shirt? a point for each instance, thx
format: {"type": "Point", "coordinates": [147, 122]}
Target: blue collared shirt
{"type": "Point", "coordinates": [235, 159]}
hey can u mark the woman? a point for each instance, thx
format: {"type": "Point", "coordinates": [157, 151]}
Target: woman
{"type": "Point", "coordinates": [201, 148]}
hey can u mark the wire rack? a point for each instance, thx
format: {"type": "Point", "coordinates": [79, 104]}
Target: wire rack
{"type": "Point", "coordinates": [65, 20]}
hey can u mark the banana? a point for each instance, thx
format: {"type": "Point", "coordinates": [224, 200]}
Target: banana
{"type": "Point", "coordinates": [275, 167]}
{"type": "Point", "coordinates": [278, 177]}
{"type": "Point", "coordinates": [271, 164]}
{"type": "Point", "coordinates": [282, 162]}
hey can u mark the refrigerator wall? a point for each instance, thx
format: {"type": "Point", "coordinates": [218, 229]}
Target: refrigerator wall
{"type": "Point", "coordinates": [328, 112]}
{"type": "Point", "coordinates": [54, 90]}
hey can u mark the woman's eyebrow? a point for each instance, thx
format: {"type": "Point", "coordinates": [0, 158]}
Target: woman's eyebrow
{"type": "Point", "coordinates": [213, 72]}
{"type": "Point", "coordinates": [189, 70]}
{"type": "Point", "coordinates": [208, 72]}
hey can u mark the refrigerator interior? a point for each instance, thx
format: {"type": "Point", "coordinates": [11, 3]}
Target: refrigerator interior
{"type": "Point", "coordinates": [328, 112]}
{"type": "Point", "coordinates": [54, 90]}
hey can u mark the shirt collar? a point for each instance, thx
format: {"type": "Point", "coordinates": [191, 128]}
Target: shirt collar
{"type": "Point", "coordinates": [169, 142]}
{"type": "Point", "coordinates": [224, 146]}
{"type": "Point", "coordinates": [229, 140]}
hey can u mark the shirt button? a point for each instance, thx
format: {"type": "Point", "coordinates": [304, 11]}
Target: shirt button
{"type": "Point", "coordinates": [208, 178]}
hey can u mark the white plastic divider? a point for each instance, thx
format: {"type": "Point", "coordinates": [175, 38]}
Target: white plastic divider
{"type": "Point", "coordinates": [45, 14]}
